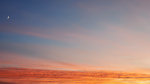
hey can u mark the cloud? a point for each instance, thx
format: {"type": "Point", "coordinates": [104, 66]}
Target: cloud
{"type": "Point", "coordinates": [17, 60]}
{"type": "Point", "coordinates": [77, 35]}
{"type": "Point", "coordinates": [123, 44]}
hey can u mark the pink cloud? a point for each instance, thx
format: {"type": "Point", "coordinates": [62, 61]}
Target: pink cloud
{"type": "Point", "coordinates": [18, 60]}
{"type": "Point", "coordinates": [77, 35]}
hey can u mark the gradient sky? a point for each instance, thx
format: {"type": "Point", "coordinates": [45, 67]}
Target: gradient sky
{"type": "Point", "coordinates": [75, 34]}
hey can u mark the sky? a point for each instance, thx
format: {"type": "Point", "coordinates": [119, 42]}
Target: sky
{"type": "Point", "coordinates": [75, 34]}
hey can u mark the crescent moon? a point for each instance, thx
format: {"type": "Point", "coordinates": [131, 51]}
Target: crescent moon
{"type": "Point", "coordinates": [8, 17]}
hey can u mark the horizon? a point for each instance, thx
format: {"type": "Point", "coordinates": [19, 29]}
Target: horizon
{"type": "Point", "coordinates": [38, 76]}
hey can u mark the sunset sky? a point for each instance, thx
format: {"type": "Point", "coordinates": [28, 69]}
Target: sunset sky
{"type": "Point", "coordinates": [75, 34]}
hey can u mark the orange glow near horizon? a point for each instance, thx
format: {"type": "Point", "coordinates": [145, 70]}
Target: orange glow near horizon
{"type": "Point", "coordinates": [37, 76]}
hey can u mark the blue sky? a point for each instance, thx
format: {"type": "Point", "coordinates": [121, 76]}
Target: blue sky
{"type": "Point", "coordinates": [75, 34]}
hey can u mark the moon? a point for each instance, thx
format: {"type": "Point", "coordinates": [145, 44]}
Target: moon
{"type": "Point", "coordinates": [8, 17]}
